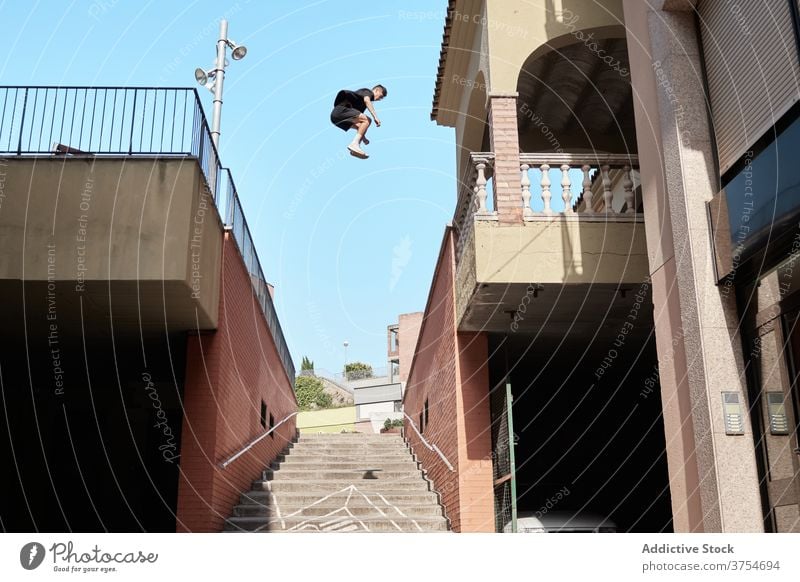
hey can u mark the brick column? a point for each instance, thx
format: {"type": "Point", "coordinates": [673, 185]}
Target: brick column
{"type": "Point", "coordinates": [504, 142]}
{"type": "Point", "coordinates": [475, 478]}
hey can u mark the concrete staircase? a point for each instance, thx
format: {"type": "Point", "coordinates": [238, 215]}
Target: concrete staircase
{"type": "Point", "coordinates": [324, 484]}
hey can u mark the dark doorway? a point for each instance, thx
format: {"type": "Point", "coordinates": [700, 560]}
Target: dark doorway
{"type": "Point", "coordinates": [587, 441]}
{"type": "Point", "coordinates": [90, 441]}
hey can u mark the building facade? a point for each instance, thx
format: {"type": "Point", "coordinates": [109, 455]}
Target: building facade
{"type": "Point", "coordinates": [380, 396]}
{"type": "Point", "coordinates": [610, 326]}
{"type": "Point", "coordinates": [141, 352]}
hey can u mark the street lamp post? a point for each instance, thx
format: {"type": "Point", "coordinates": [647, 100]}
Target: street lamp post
{"type": "Point", "coordinates": [346, 343]}
{"type": "Point", "coordinates": [222, 46]}
{"type": "Point", "coordinates": [218, 75]}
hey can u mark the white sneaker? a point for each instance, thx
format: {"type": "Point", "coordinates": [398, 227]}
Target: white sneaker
{"type": "Point", "coordinates": [357, 151]}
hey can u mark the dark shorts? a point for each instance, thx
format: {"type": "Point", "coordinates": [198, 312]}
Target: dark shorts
{"type": "Point", "coordinates": [343, 116]}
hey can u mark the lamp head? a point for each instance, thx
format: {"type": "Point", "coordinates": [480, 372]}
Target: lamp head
{"type": "Point", "coordinates": [239, 50]}
{"type": "Point", "coordinates": [205, 78]}
{"type": "Point", "coordinates": [239, 53]}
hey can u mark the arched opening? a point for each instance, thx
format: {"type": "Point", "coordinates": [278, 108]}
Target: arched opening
{"type": "Point", "coordinates": [577, 97]}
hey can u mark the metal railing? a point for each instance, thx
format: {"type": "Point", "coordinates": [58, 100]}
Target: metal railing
{"type": "Point", "coordinates": [254, 442]}
{"type": "Point", "coordinates": [112, 121]}
{"type": "Point", "coordinates": [430, 446]}
{"type": "Point", "coordinates": [237, 223]}
{"type": "Point", "coordinates": [131, 121]}
{"type": "Point", "coordinates": [343, 379]}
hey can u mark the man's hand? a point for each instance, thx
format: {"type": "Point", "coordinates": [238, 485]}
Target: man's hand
{"type": "Point", "coordinates": [368, 103]}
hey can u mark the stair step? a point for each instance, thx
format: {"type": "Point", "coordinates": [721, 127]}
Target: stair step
{"type": "Point", "coordinates": [303, 498]}
{"type": "Point", "coordinates": [365, 509]}
{"type": "Point", "coordinates": [345, 455]}
{"type": "Point", "coordinates": [330, 465]}
{"type": "Point", "coordinates": [336, 524]}
{"type": "Point", "coordinates": [348, 448]}
{"type": "Point", "coordinates": [356, 475]}
{"type": "Point", "coordinates": [340, 452]}
{"type": "Point", "coordinates": [345, 438]}
{"type": "Point", "coordinates": [332, 486]}
{"type": "Point", "coordinates": [318, 484]}
{"type": "Point", "coordinates": [350, 439]}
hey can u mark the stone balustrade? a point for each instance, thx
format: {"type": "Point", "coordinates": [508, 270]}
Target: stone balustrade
{"type": "Point", "coordinates": [606, 179]}
{"type": "Point", "coordinates": [607, 189]}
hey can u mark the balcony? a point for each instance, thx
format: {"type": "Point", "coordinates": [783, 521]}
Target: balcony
{"type": "Point", "coordinates": [570, 251]}
{"type": "Point", "coordinates": [114, 209]}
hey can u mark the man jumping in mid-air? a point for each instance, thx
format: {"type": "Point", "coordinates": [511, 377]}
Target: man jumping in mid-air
{"type": "Point", "coordinates": [348, 113]}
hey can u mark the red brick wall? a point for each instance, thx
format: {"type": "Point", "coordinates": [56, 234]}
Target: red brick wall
{"type": "Point", "coordinates": [476, 493]}
{"type": "Point", "coordinates": [450, 369]}
{"type": "Point", "coordinates": [504, 142]}
{"type": "Point", "coordinates": [433, 376]}
{"type": "Point", "coordinates": [228, 373]}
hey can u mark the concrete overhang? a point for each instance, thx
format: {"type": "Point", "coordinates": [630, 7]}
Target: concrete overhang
{"type": "Point", "coordinates": [550, 276]}
{"type": "Point", "coordinates": [128, 242]}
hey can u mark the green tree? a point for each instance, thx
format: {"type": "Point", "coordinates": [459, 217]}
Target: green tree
{"type": "Point", "coordinates": [357, 371]}
{"type": "Point", "coordinates": [306, 365]}
{"type": "Point", "coordinates": [311, 394]}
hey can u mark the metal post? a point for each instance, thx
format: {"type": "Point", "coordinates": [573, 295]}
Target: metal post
{"type": "Point", "coordinates": [22, 122]}
{"type": "Point", "coordinates": [219, 79]}
{"type": "Point", "coordinates": [222, 46]}
{"type": "Point", "coordinates": [512, 456]}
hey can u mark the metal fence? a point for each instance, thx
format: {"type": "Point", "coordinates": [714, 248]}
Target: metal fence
{"type": "Point", "coordinates": [99, 120]}
{"type": "Point", "coordinates": [107, 121]}
{"type": "Point", "coordinates": [144, 121]}
{"type": "Point", "coordinates": [237, 223]}
{"type": "Point", "coordinates": [503, 461]}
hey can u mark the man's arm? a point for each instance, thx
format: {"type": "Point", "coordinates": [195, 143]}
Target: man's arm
{"type": "Point", "coordinates": [368, 103]}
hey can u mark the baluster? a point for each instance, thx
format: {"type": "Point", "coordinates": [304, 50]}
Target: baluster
{"type": "Point", "coordinates": [526, 191]}
{"type": "Point", "coordinates": [587, 190]}
{"type": "Point", "coordinates": [566, 189]}
{"type": "Point", "coordinates": [546, 188]}
{"type": "Point", "coordinates": [480, 188]}
{"type": "Point", "coordinates": [627, 184]}
{"type": "Point", "coordinates": [607, 194]}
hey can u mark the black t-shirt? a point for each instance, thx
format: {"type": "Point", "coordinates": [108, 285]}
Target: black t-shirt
{"type": "Point", "coordinates": [354, 99]}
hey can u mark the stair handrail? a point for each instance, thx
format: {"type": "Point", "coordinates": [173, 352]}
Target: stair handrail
{"type": "Point", "coordinates": [254, 442]}
{"type": "Point", "coordinates": [430, 446]}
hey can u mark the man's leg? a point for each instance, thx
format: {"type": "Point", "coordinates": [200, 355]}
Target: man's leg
{"type": "Point", "coordinates": [360, 124]}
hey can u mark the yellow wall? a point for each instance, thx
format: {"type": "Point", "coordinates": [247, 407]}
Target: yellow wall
{"type": "Point", "coordinates": [518, 29]}
{"type": "Point", "coordinates": [330, 420]}
{"type": "Point", "coordinates": [561, 251]}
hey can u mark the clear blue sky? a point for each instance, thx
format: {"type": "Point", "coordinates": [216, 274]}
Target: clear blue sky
{"type": "Point", "coordinates": [349, 244]}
